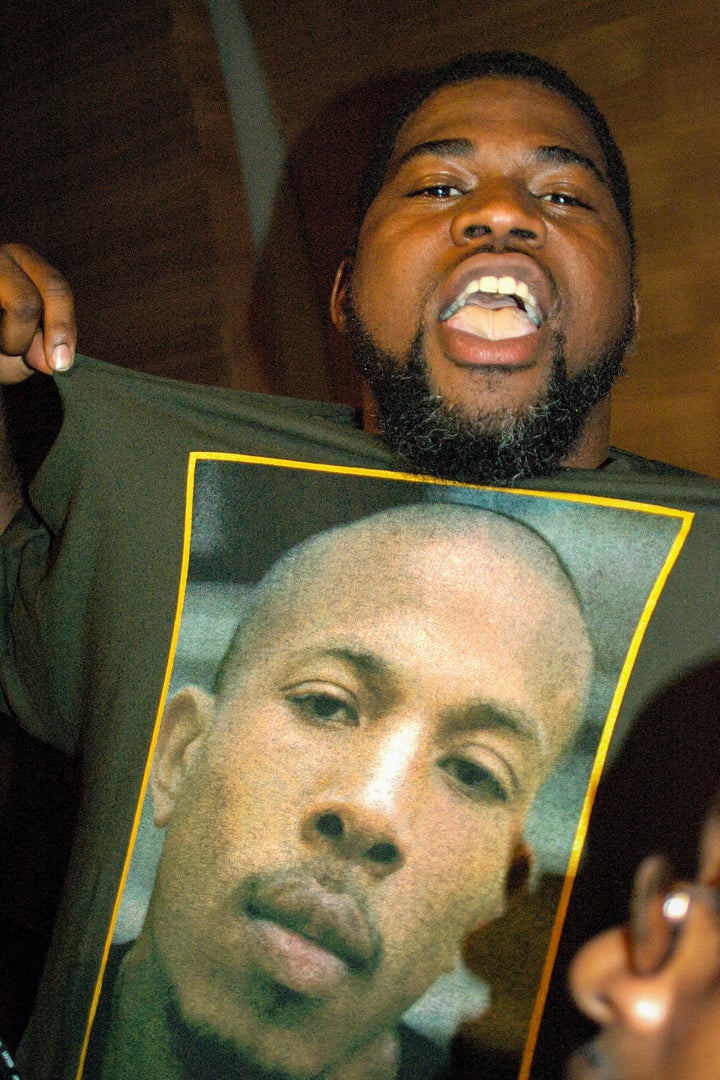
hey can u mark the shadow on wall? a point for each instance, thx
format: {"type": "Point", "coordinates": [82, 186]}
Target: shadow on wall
{"type": "Point", "coordinates": [308, 237]}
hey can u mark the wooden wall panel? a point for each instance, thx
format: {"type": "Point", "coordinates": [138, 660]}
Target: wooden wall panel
{"type": "Point", "coordinates": [120, 166]}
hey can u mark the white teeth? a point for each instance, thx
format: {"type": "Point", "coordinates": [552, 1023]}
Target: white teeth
{"type": "Point", "coordinates": [503, 286]}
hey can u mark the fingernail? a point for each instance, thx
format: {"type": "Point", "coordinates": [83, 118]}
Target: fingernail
{"type": "Point", "coordinates": [61, 358]}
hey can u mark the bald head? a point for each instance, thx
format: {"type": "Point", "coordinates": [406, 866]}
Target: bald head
{"type": "Point", "coordinates": [405, 557]}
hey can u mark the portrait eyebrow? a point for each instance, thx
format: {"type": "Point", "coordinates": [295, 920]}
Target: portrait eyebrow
{"type": "Point", "coordinates": [486, 716]}
{"type": "Point", "coordinates": [368, 666]}
{"type": "Point", "coordinates": [563, 155]}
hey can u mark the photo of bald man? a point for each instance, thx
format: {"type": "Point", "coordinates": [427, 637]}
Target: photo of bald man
{"type": "Point", "coordinates": [349, 803]}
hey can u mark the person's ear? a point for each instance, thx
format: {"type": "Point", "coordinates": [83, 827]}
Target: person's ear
{"type": "Point", "coordinates": [184, 725]}
{"type": "Point", "coordinates": [710, 846]}
{"type": "Point", "coordinates": [338, 298]}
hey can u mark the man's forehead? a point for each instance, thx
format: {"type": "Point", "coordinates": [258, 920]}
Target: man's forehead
{"type": "Point", "coordinates": [455, 112]}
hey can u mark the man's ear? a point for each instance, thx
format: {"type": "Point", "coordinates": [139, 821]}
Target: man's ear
{"type": "Point", "coordinates": [517, 881]}
{"type": "Point", "coordinates": [338, 298]}
{"type": "Point", "coordinates": [185, 723]}
{"type": "Point", "coordinates": [709, 858]}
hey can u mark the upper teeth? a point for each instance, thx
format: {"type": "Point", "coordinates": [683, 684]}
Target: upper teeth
{"type": "Point", "coordinates": [505, 286]}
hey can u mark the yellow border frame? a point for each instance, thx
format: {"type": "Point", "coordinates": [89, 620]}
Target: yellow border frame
{"type": "Point", "coordinates": [685, 516]}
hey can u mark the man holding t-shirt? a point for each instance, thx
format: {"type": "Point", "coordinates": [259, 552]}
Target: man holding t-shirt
{"type": "Point", "coordinates": [489, 299]}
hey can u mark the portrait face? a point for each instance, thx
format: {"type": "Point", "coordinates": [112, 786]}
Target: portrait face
{"type": "Point", "coordinates": [351, 805]}
{"type": "Point", "coordinates": [662, 1023]}
{"type": "Point", "coordinates": [494, 250]}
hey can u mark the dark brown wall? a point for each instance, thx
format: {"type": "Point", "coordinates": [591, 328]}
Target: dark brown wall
{"type": "Point", "coordinates": [119, 159]}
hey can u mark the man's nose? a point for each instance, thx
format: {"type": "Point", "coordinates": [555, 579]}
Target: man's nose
{"type": "Point", "coordinates": [500, 214]}
{"type": "Point", "coordinates": [365, 812]}
{"type": "Point", "coordinates": [609, 992]}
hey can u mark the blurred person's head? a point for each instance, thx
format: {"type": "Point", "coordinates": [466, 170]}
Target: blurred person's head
{"type": "Point", "coordinates": [654, 987]}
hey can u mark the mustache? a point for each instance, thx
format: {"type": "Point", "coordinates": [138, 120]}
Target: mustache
{"type": "Point", "coordinates": [321, 904]}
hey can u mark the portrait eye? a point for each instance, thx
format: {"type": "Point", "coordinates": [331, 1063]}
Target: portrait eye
{"type": "Point", "coordinates": [321, 707]}
{"type": "Point", "coordinates": [476, 780]}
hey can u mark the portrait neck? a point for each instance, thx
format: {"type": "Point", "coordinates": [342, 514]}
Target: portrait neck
{"type": "Point", "coordinates": [148, 1037]}
{"type": "Point", "coordinates": [140, 1041]}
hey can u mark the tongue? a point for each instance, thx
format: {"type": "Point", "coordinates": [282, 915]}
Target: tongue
{"type": "Point", "coordinates": [492, 325]}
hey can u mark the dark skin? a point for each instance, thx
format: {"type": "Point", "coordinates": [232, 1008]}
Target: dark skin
{"type": "Point", "coordinates": [504, 178]}
{"type": "Point", "coordinates": [38, 330]}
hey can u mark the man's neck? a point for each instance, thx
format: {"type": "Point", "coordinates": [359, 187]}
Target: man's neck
{"type": "Point", "coordinates": [592, 450]}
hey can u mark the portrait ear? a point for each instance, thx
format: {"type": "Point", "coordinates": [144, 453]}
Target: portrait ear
{"type": "Point", "coordinates": [185, 722]}
{"type": "Point", "coordinates": [338, 297]}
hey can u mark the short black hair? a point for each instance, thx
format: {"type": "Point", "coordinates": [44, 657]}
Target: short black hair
{"type": "Point", "coordinates": [507, 65]}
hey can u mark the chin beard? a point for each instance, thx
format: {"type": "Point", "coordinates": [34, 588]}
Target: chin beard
{"type": "Point", "coordinates": [436, 438]}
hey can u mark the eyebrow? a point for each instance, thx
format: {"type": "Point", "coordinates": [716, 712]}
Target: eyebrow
{"type": "Point", "coordinates": [436, 148]}
{"type": "Point", "coordinates": [563, 155]}
{"type": "Point", "coordinates": [368, 666]}
{"type": "Point", "coordinates": [463, 148]}
{"type": "Point", "coordinates": [365, 663]}
{"type": "Point", "coordinates": [483, 715]}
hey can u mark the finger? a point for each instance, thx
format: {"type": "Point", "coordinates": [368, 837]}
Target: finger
{"type": "Point", "coordinates": [34, 296]}
{"type": "Point", "coordinates": [14, 369]}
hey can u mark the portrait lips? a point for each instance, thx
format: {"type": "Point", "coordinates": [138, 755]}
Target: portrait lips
{"type": "Point", "coordinates": [308, 935]}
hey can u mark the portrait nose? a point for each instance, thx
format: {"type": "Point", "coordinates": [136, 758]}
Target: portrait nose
{"type": "Point", "coordinates": [499, 214]}
{"type": "Point", "coordinates": [350, 832]}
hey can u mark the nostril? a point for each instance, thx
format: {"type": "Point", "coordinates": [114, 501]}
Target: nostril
{"type": "Point", "coordinates": [330, 825]}
{"type": "Point", "coordinates": [475, 232]}
{"type": "Point", "coordinates": [384, 854]}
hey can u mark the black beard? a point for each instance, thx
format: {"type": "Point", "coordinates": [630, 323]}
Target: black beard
{"type": "Point", "coordinates": [436, 438]}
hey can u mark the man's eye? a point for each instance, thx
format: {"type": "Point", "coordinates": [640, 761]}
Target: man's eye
{"type": "Point", "coordinates": [561, 198]}
{"type": "Point", "coordinates": [437, 191]}
{"type": "Point", "coordinates": [476, 780]}
{"type": "Point", "coordinates": [324, 708]}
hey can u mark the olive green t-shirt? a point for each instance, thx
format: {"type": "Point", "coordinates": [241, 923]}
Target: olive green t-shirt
{"type": "Point", "coordinates": [95, 564]}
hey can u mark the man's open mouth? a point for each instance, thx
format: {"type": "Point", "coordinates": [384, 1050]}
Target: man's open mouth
{"type": "Point", "coordinates": [495, 308]}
